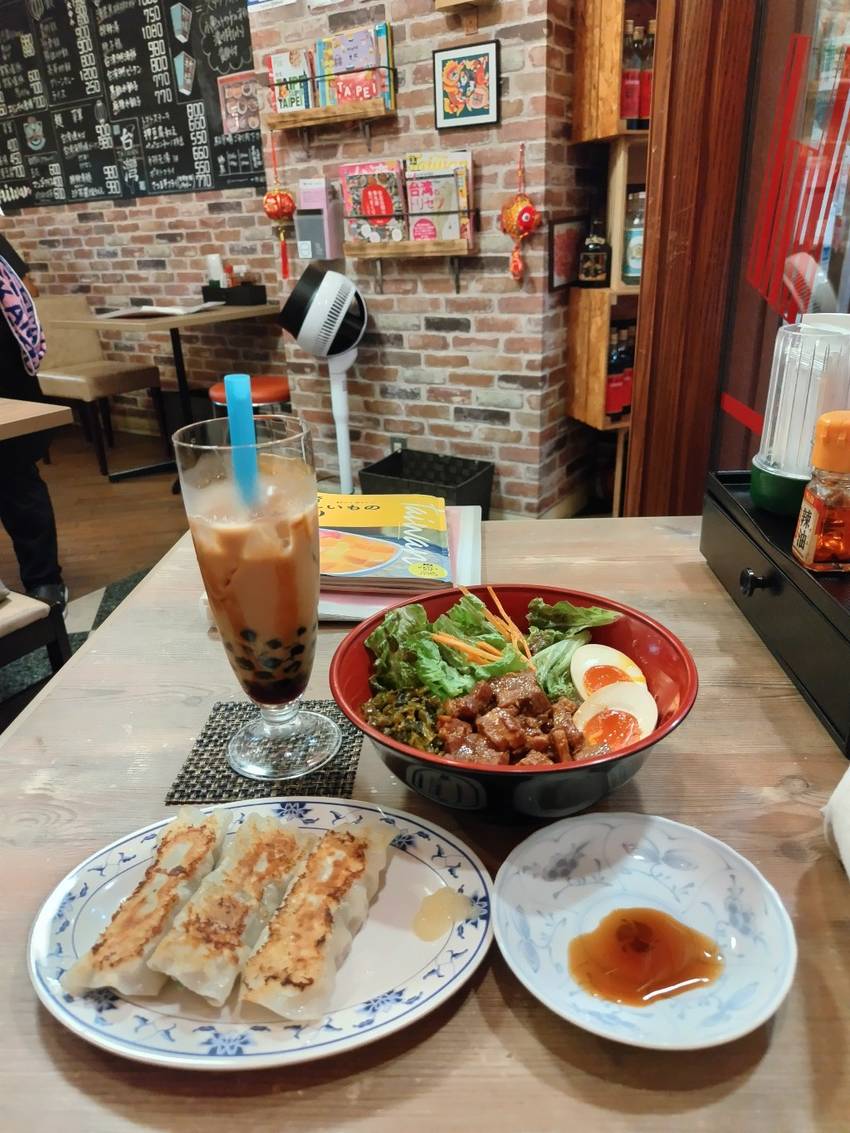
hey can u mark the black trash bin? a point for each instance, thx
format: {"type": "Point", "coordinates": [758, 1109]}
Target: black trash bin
{"type": "Point", "coordinates": [458, 480]}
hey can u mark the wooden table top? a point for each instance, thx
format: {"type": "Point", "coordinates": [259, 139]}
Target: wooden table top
{"type": "Point", "coordinates": [225, 314]}
{"type": "Point", "coordinates": [92, 757]}
{"type": "Point", "coordinates": [20, 417]}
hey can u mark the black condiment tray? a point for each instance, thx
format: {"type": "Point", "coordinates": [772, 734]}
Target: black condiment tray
{"type": "Point", "coordinates": [803, 618]}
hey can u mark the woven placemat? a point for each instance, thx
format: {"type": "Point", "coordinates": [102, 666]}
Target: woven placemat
{"type": "Point", "coordinates": [207, 777]}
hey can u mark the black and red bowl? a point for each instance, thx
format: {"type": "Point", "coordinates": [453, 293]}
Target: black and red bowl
{"type": "Point", "coordinates": [532, 792]}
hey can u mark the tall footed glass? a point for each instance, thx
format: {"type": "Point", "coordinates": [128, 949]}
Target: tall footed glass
{"type": "Point", "coordinates": [260, 565]}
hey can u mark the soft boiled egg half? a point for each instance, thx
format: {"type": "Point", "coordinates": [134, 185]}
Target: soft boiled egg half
{"type": "Point", "coordinates": [594, 666]}
{"type": "Point", "coordinates": [617, 715]}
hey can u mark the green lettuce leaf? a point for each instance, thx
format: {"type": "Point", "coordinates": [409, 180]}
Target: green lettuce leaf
{"type": "Point", "coordinates": [553, 666]}
{"type": "Point", "coordinates": [549, 624]}
{"type": "Point", "coordinates": [391, 643]}
{"type": "Point", "coordinates": [467, 621]}
{"type": "Point", "coordinates": [436, 674]}
{"type": "Point", "coordinates": [509, 662]}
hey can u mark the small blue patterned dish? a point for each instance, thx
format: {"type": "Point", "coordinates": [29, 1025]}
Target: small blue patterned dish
{"type": "Point", "coordinates": [389, 979]}
{"type": "Point", "coordinates": [561, 882]}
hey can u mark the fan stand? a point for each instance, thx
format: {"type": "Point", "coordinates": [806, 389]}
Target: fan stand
{"type": "Point", "coordinates": [339, 365]}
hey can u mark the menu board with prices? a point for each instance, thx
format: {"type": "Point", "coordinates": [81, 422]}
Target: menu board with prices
{"type": "Point", "coordinates": [115, 99]}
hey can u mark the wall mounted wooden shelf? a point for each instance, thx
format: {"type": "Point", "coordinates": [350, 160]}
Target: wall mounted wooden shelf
{"type": "Point", "coordinates": [409, 249]}
{"type": "Point", "coordinates": [626, 166]}
{"type": "Point", "coordinates": [398, 249]}
{"type": "Point", "coordinates": [466, 9]}
{"type": "Point", "coordinates": [363, 113]}
{"type": "Point", "coordinates": [588, 329]}
{"type": "Point", "coordinates": [598, 65]}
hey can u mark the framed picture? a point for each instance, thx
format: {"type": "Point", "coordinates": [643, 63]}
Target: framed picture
{"type": "Point", "coordinates": [466, 85]}
{"type": "Point", "coordinates": [566, 236]}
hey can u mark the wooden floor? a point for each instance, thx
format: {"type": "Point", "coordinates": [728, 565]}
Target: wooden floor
{"type": "Point", "coordinates": [106, 531]}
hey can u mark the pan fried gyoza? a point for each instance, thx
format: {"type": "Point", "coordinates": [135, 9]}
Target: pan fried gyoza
{"type": "Point", "coordinates": [216, 930]}
{"type": "Point", "coordinates": [292, 971]}
{"type": "Point", "coordinates": [184, 856]}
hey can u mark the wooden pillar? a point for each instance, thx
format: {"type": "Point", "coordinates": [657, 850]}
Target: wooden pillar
{"type": "Point", "coordinates": [702, 80]}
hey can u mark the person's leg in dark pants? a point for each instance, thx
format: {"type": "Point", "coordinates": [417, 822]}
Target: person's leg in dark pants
{"type": "Point", "coordinates": [27, 514]}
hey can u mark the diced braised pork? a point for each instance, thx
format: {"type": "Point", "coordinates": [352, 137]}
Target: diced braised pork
{"type": "Point", "coordinates": [562, 718]}
{"type": "Point", "coordinates": [520, 691]}
{"type": "Point", "coordinates": [452, 732]}
{"type": "Point", "coordinates": [474, 704]}
{"type": "Point", "coordinates": [475, 749]}
{"type": "Point", "coordinates": [535, 759]}
{"type": "Point", "coordinates": [563, 711]}
{"type": "Point", "coordinates": [560, 745]}
{"type": "Point", "coordinates": [501, 730]}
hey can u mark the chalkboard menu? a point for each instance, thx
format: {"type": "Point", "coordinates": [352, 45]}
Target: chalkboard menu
{"type": "Point", "coordinates": [111, 99]}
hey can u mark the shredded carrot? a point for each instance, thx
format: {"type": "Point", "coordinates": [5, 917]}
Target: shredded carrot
{"type": "Point", "coordinates": [472, 652]}
{"type": "Point", "coordinates": [517, 637]}
{"type": "Point", "coordinates": [504, 626]}
{"type": "Point", "coordinates": [486, 647]}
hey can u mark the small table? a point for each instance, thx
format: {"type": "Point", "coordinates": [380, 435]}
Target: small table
{"type": "Point", "coordinates": [18, 418]}
{"type": "Point", "coordinates": [173, 324]}
{"type": "Point", "coordinates": [91, 759]}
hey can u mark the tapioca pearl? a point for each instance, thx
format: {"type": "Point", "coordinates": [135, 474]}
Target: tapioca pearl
{"type": "Point", "coordinates": [274, 643]}
{"type": "Point", "coordinates": [229, 647]}
{"type": "Point", "coordinates": [301, 631]}
{"type": "Point", "coordinates": [269, 662]}
{"type": "Point", "coordinates": [249, 635]}
{"type": "Point", "coordinates": [296, 650]}
{"type": "Point", "coordinates": [292, 667]}
{"type": "Point", "coordinates": [245, 663]}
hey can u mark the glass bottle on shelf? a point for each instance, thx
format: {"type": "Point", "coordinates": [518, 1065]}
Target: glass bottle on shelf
{"type": "Point", "coordinates": [615, 359]}
{"type": "Point", "coordinates": [633, 69]}
{"type": "Point", "coordinates": [614, 377]}
{"type": "Point", "coordinates": [646, 73]}
{"type": "Point", "coordinates": [630, 78]}
{"type": "Point", "coordinates": [633, 238]}
{"type": "Point", "coordinates": [594, 262]}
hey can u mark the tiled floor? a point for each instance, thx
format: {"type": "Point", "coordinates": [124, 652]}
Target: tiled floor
{"type": "Point", "coordinates": [82, 611]}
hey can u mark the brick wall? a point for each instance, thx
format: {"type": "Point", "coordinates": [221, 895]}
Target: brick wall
{"type": "Point", "coordinates": [478, 374]}
{"type": "Point", "coordinates": [153, 249]}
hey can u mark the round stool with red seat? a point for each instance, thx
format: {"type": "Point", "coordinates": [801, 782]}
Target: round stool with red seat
{"type": "Point", "coordinates": [269, 394]}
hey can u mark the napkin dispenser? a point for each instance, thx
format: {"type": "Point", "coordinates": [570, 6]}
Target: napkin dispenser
{"type": "Point", "coordinates": [803, 618]}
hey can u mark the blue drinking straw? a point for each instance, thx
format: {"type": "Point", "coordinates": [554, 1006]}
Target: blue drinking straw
{"type": "Point", "coordinates": [243, 436]}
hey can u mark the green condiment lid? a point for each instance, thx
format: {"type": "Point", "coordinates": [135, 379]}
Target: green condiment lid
{"type": "Point", "coordinates": [781, 495]}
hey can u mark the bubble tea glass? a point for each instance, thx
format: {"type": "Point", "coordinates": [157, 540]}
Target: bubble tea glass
{"type": "Point", "coordinates": [260, 566]}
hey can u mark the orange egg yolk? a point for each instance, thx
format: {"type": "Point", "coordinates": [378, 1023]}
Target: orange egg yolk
{"type": "Point", "coordinates": [612, 726]}
{"type": "Point", "coordinates": [598, 676]}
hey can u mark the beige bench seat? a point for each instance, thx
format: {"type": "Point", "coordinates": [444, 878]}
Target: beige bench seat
{"type": "Point", "coordinates": [74, 369]}
{"type": "Point", "coordinates": [18, 611]}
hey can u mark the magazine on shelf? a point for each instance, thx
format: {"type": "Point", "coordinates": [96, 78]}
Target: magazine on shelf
{"type": "Point", "coordinates": [373, 201]}
{"type": "Point", "coordinates": [355, 66]}
{"type": "Point", "coordinates": [464, 532]}
{"type": "Point", "coordinates": [290, 79]}
{"type": "Point", "coordinates": [437, 183]}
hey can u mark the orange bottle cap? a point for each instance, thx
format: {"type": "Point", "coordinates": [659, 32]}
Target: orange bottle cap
{"type": "Point", "coordinates": [831, 450]}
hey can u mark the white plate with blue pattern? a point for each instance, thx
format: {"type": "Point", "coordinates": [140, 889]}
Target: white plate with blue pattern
{"type": "Point", "coordinates": [389, 979]}
{"type": "Point", "coordinates": [561, 882]}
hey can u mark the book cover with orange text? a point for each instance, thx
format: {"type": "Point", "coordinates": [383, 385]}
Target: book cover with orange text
{"type": "Point", "coordinates": [395, 543]}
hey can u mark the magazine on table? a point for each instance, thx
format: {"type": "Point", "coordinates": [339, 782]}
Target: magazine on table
{"type": "Point", "coordinates": [150, 311]}
{"type": "Point", "coordinates": [464, 539]}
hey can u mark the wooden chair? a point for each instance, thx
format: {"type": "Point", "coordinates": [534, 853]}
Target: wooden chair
{"type": "Point", "coordinates": [74, 370]}
{"type": "Point", "coordinates": [26, 625]}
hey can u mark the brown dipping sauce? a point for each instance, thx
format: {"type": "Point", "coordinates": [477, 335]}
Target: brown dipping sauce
{"type": "Point", "coordinates": [636, 956]}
